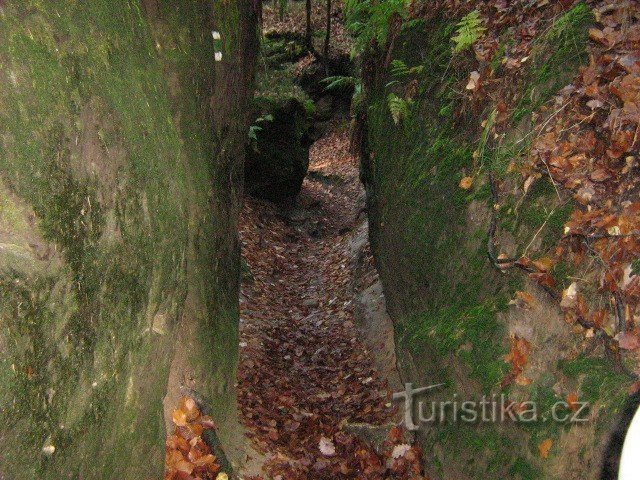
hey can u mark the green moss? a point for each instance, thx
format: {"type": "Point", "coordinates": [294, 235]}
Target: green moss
{"type": "Point", "coordinates": [554, 59]}
{"type": "Point", "coordinates": [480, 450]}
{"type": "Point", "coordinates": [523, 470]}
{"type": "Point", "coordinates": [470, 334]}
{"type": "Point", "coordinates": [598, 382]}
{"type": "Point", "coordinates": [417, 172]}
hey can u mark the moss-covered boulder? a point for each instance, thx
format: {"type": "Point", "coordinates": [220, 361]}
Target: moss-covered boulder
{"type": "Point", "coordinates": [278, 154]}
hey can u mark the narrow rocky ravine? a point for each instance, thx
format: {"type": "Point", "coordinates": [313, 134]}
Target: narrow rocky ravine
{"type": "Point", "coordinates": [305, 372]}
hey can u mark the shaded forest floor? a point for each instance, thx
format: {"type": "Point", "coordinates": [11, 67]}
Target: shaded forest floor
{"type": "Point", "coordinates": [305, 371]}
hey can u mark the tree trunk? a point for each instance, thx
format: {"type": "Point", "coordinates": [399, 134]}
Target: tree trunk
{"type": "Point", "coordinates": [309, 33]}
{"type": "Point", "coordinates": [327, 37]}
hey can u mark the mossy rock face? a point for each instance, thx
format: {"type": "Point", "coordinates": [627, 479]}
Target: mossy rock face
{"type": "Point", "coordinates": [451, 309]}
{"type": "Point", "coordinates": [278, 159]}
{"type": "Point", "coordinates": [117, 227]}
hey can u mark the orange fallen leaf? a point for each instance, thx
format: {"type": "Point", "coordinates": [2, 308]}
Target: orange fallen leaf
{"type": "Point", "coordinates": [190, 408]}
{"type": "Point", "coordinates": [466, 183]}
{"type": "Point", "coordinates": [545, 447]}
{"type": "Point", "coordinates": [544, 264]}
{"type": "Point", "coordinates": [572, 400]}
{"type": "Point", "coordinates": [524, 300]}
{"type": "Point", "coordinates": [205, 460]}
{"type": "Point", "coordinates": [523, 381]}
{"type": "Point", "coordinates": [596, 35]}
{"type": "Point", "coordinates": [179, 417]}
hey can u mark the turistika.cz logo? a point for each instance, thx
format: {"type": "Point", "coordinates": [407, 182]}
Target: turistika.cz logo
{"type": "Point", "coordinates": [489, 409]}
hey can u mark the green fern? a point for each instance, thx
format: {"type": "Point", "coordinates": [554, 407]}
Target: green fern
{"type": "Point", "coordinates": [468, 31]}
{"type": "Point", "coordinates": [401, 69]}
{"type": "Point", "coordinates": [399, 107]}
{"type": "Point", "coordinates": [256, 128]}
{"type": "Point", "coordinates": [369, 19]}
{"type": "Point", "coordinates": [339, 82]}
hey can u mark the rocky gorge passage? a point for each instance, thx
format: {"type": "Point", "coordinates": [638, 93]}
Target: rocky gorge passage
{"type": "Point", "coordinates": [305, 373]}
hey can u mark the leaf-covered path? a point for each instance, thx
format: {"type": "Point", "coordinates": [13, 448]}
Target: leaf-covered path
{"type": "Point", "coordinates": [304, 370]}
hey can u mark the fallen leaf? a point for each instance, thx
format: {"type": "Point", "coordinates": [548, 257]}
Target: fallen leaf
{"type": "Point", "coordinates": [528, 182]}
{"type": "Point", "coordinates": [179, 417]}
{"type": "Point", "coordinates": [327, 447]}
{"type": "Point", "coordinates": [544, 264]}
{"type": "Point", "coordinates": [628, 341]}
{"type": "Point", "coordinates": [466, 183]}
{"type": "Point", "coordinates": [523, 381]}
{"type": "Point", "coordinates": [474, 81]}
{"type": "Point", "coordinates": [545, 447]}
{"type": "Point", "coordinates": [400, 450]}
{"type": "Point", "coordinates": [523, 300]}
{"type": "Point", "coordinates": [572, 400]}
{"type": "Point", "coordinates": [570, 296]}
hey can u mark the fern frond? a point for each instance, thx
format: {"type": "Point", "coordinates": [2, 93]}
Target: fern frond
{"type": "Point", "coordinates": [399, 68]}
{"type": "Point", "coordinates": [339, 82]}
{"type": "Point", "coordinates": [469, 30]}
{"type": "Point", "coordinates": [399, 107]}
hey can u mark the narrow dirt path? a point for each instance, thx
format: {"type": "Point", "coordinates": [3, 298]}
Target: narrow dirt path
{"type": "Point", "coordinates": [304, 370]}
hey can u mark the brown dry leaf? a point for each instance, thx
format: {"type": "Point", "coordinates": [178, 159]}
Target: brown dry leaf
{"type": "Point", "coordinates": [523, 300]}
{"type": "Point", "coordinates": [474, 81]}
{"type": "Point", "coordinates": [545, 447]}
{"type": "Point", "coordinates": [570, 296]}
{"type": "Point", "coordinates": [205, 460]}
{"type": "Point", "coordinates": [544, 264]}
{"type": "Point", "coordinates": [599, 317]}
{"type": "Point", "coordinates": [596, 35]}
{"type": "Point", "coordinates": [190, 408]}
{"type": "Point", "coordinates": [528, 182]}
{"type": "Point", "coordinates": [188, 456]}
{"type": "Point", "coordinates": [517, 357]}
{"type": "Point", "coordinates": [628, 341]}
{"type": "Point", "coordinates": [544, 279]}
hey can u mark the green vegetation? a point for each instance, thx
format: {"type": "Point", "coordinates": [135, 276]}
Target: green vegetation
{"type": "Point", "coordinates": [522, 470]}
{"type": "Point", "coordinates": [555, 57]}
{"type": "Point", "coordinates": [468, 31]}
{"type": "Point", "coordinates": [470, 334]}
{"type": "Point", "coordinates": [427, 158]}
{"type": "Point", "coordinates": [369, 19]}
{"type": "Point", "coordinates": [598, 383]}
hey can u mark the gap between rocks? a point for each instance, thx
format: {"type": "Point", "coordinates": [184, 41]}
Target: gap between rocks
{"type": "Point", "coordinates": [317, 359]}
